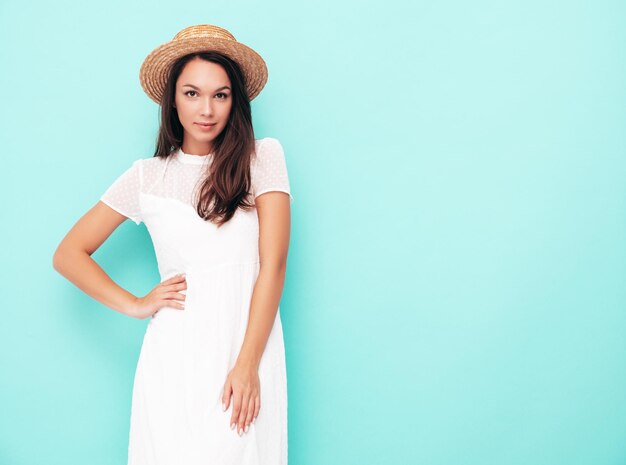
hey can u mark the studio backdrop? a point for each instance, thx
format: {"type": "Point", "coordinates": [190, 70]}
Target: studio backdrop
{"type": "Point", "coordinates": [455, 289]}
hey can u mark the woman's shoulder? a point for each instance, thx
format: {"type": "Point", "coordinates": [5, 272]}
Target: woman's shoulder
{"type": "Point", "coordinates": [266, 140]}
{"type": "Point", "coordinates": [148, 168]}
{"type": "Point", "coordinates": [267, 147]}
{"type": "Point", "coordinates": [147, 165]}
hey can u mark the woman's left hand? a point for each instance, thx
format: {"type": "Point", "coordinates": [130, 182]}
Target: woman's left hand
{"type": "Point", "coordinates": [244, 384]}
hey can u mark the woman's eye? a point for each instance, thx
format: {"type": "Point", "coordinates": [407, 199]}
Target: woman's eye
{"type": "Point", "coordinates": [222, 94]}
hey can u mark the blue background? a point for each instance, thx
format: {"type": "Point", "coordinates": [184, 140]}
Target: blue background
{"type": "Point", "coordinates": [456, 286]}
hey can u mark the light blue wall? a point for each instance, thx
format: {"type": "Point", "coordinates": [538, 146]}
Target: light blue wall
{"type": "Point", "coordinates": [456, 288]}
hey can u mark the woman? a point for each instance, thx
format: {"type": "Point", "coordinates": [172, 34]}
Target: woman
{"type": "Point", "coordinates": [210, 385]}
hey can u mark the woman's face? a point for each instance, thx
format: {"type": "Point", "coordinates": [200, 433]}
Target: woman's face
{"type": "Point", "coordinates": [203, 95]}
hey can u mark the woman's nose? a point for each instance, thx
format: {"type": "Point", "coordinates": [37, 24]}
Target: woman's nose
{"type": "Point", "coordinates": [206, 106]}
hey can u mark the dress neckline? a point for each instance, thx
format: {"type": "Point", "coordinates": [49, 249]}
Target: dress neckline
{"type": "Point", "coordinates": [191, 159]}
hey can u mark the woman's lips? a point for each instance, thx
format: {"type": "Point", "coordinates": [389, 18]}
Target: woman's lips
{"type": "Point", "coordinates": [205, 127]}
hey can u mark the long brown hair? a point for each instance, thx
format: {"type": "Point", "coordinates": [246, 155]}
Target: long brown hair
{"type": "Point", "coordinates": [227, 184]}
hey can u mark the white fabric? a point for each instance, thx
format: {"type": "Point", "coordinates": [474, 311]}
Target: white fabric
{"type": "Point", "coordinates": [183, 175]}
{"type": "Point", "coordinates": [176, 416]}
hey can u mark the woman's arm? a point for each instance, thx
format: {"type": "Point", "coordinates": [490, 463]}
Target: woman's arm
{"type": "Point", "coordinates": [273, 209]}
{"type": "Point", "coordinates": [274, 229]}
{"type": "Point", "coordinates": [72, 258]}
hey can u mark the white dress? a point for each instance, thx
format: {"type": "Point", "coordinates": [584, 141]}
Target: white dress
{"type": "Point", "coordinates": [177, 416]}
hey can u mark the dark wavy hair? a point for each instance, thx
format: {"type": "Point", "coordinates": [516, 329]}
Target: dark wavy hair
{"type": "Point", "coordinates": [227, 184]}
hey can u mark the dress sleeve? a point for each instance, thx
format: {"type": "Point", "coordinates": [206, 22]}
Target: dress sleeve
{"type": "Point", "coordinates": [123, 195]}
{"type": "Point", "coordinates": [269, 169]}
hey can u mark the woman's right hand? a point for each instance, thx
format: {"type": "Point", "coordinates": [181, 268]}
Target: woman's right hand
{"type": "Point", "coordinates": [164, 294]}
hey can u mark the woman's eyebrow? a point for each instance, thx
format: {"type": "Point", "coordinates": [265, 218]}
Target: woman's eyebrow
{"type": "Point", "coordinates": [197, 88]}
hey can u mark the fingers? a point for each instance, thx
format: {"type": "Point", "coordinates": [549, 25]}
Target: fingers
{"type": "Point", "coordinates": [242, 425]}
{"type": "Point", "coordinates": [179, 278]}
{"type": "Point", "coordinates": [174, 304]}
{"type": "Point", "coordinates": [166, 293]}
{"type": "Point", "coordinates": [257, 405]}
{"type": "Point", "coordinates": [226, 396]}
{"type": "Point", "coordinates": [234, 418]}
{"type": "Point", "coordinates": [245, 410]}
{"type": "Point", "coordinates": [171, 298]}
{"type": "Point", "coordinates": [175, 297]}
{"type": "Point", "coordinates": [172, 288]}
{"type": "Point", "coordinates": [250, 416]}
{"type": "Point", "coordinates": [242, 405]}
{"type": "Point", "coordinates": [175, 286]}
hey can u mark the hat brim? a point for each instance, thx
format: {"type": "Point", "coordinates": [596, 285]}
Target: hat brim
{"type": "Point", "coordinates": [156, 67]}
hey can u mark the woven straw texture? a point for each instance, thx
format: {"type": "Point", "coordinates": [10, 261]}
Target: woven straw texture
{"type": "Point", "coordinates": [155, 68]}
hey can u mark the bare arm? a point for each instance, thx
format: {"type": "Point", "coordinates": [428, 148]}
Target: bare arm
{"type": "Point", "coordinates": [243, 380]}
{"type": "Point", "coordinates": [72, 258]}
{"type": "Point", "coordinates": [274, 229]}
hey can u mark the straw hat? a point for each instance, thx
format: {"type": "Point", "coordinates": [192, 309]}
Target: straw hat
{"type": "Point", "coordinates": [203, 37]}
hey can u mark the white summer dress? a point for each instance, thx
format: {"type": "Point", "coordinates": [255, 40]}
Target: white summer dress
{"type": "Point", "coordinates": [177, 416]}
